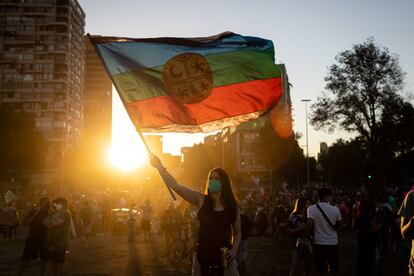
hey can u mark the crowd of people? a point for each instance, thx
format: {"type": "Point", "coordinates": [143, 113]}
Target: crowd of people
{"type": "Point", "coordinates": [310, 219]}
{"type": "Point", "coordinates": [307, 219]}
{"type": "Point", "coordinates": [49, 231]}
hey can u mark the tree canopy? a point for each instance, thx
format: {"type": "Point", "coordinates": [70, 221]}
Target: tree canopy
{"type": "Point", "coordinates": [284, 155]}
{"type": "Point", "coordinates": [363, 96]}
{"type": "Point", "coordinates": [342, 163]}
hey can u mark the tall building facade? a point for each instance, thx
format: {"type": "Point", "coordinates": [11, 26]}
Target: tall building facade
{"type": "Point", "coordinates": [243, 145]}
{"type": "Point", "coordinates": [42, 67]}
{"type": "Point", "coordinates": [323, 147]}
{"type": "Point", "coordinates": [97, 126]}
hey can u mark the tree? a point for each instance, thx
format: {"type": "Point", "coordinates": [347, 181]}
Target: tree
{"type": "Point", "coordinates": [361, 86]}
{"type": "Point", "coordinates": [397, 127]}
{"type": "Point", "coordinates": [21, 146]}
{"type": "Point", "coordinates": [284, 154]}
{"type": "Point", "coordinates": [342, 163]}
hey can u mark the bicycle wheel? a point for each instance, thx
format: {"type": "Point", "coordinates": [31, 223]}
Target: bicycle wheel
{"type": "Point", "coordinates": [177, 251]}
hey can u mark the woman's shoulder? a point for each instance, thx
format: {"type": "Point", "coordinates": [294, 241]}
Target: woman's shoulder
{"type": "Point", "coordinates": [202, 199]}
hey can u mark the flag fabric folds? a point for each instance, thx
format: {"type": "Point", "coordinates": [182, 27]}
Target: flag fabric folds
{"type": "Point", "coordinates": [192, 84]}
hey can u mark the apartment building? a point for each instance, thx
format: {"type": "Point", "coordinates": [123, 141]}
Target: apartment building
{"type": "Point", "coordinates": [42, 67]}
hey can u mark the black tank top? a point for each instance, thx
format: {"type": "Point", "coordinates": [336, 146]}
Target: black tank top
{"type": "Point", "coordinates": [214, 233]}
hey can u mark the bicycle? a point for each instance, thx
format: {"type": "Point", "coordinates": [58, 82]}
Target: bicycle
{"type": "Point", "coordinates": [180, 251]}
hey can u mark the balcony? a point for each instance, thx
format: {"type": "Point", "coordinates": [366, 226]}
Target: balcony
{"type": "Point", "coordinates": [19, 41]}
{"type": "Point", "coordinates": [60, 20]}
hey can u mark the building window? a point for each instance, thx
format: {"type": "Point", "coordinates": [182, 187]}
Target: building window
{"type": "Point", "coordinates": [13, 19]}
{"type": "Point", "coordinates": [8, 66]}
{"type": "Point", "coordinates": [28, 77]}
{"type": "Point", "coordinates": [40, 48]}
{"type": "Point", "coordinates": [8, 76]}
{"type": "Point", "coordinates": [28, 56]}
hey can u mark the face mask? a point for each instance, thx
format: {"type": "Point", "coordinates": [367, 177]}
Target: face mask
{"type": "Point", "coordinates": [214, 186]}
{"type": "Point", "coordinates": [58, 206]}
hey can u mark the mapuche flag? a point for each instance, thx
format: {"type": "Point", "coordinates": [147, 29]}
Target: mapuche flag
{"type": "Point", "coordinates": [192, 84]}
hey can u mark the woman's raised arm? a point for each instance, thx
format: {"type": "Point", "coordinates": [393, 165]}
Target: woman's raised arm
{"type": "Point", "coordinates": [194, 197]}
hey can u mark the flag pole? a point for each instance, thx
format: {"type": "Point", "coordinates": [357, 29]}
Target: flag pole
{"type": "Point", "coordinates": [123, 102]}
{"type": "Point", "coordinates": [149, 152]}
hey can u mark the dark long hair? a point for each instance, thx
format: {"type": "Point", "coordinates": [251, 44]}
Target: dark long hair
{"type": "Point", "coordinates": [230, 200]}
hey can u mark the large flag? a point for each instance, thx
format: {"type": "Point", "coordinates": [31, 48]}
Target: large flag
{"type": "Point", "coordinates": [192, 84]}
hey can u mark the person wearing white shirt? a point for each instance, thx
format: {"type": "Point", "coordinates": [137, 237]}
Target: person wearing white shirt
{"type": "Point", "coordinates": [406, 213]}
{"type": "Point", "coordinates": [324, 218]}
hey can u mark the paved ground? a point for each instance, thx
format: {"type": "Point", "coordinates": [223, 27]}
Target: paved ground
{"type": "Point", "coordinates": [107, 255]}
{"type": "Point", "coordinates": [111, 255]}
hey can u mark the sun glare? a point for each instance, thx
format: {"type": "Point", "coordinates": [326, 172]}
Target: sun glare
{"type": "Point", "coordinates": [127, 151]}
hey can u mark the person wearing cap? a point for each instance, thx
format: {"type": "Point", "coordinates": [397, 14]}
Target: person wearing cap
{"type": "Point", "coordinates": [58, 224]}
{"type": "Point", "coordinates": [324, 218]}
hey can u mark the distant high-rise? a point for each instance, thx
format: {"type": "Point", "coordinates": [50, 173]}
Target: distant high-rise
{"type": "Point", "coordinates": [323, 147]}
{"type": "Point", "coordinates": [154, 142]}
{"type": "Point", "coordinates": [42, 67]}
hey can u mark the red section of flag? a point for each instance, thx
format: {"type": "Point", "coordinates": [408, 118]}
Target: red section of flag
{"type": "Point", "coordinates": [224, 102]}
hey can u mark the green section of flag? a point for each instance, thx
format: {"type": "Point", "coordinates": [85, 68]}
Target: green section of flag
{"type": "Point", "coordinates": [227, 68]}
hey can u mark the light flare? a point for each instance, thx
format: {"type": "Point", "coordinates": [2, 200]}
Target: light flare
{"type": "Point", "coordinates": [127, 151]}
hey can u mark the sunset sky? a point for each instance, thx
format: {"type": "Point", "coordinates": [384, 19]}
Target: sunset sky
{"type": "Point", "coordinates": [307, 37]}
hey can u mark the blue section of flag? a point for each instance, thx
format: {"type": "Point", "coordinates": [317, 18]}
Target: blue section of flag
{"type": "Point", "coordinates": [126, 56]}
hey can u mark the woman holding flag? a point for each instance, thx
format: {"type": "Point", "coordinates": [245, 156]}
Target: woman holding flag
{"type": "Point", "coordinates": [219, 217]}
{"type": "Point", "coordinates": [197, 85]}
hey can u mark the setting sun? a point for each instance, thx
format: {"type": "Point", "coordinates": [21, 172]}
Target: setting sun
{"type": "Point", "coordinates": [127, 151]}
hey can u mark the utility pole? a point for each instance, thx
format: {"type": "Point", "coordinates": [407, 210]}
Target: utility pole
{"type": "Point", "coordinates": [307, 141]}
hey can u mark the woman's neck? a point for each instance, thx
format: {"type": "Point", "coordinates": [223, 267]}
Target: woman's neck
{"type": "Point", "coordinates": [217, 204]}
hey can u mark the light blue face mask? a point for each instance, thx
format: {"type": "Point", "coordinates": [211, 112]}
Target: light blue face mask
{"type": "Point", "coordinates": [214, 186]}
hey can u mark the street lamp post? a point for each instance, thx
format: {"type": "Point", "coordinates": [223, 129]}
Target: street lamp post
{"type": "Point", "coordinates": [307, 142]}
